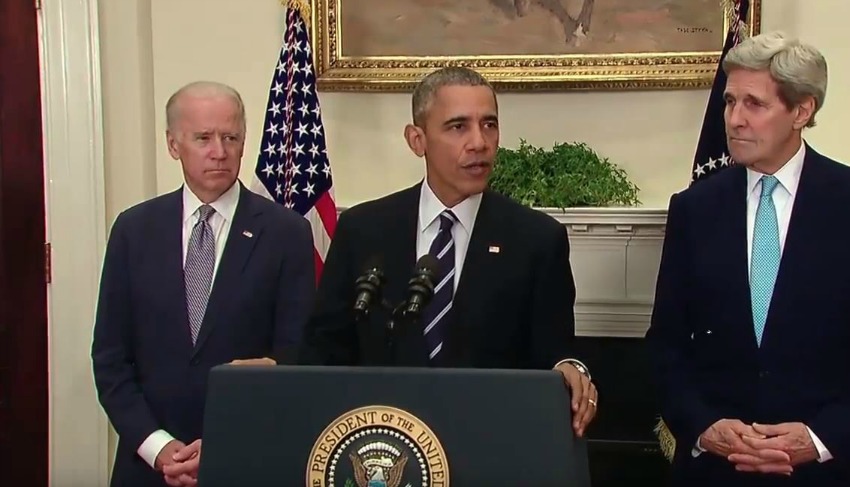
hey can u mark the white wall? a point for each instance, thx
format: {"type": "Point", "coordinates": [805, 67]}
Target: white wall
{"type": "Point", "coordinates": [652, 134]}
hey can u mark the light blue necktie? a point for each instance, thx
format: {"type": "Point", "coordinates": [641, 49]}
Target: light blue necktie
{"type": "Point", "coordinates": [765, 256]}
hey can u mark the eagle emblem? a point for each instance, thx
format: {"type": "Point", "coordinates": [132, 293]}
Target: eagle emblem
{"type": "Point", "coordinates": [378, 464]}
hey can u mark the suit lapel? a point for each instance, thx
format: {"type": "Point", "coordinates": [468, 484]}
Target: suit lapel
{"type": "Point", "coordinates": [477, 267]}
{"type": "Point", "coordinates": [805, 214]}
{"type": "Point", "coordinates": [400, 259]}
{"type": "Point", "coordinates": [245, 231]}
{"type": "Point", "coordinates": [734, 252]}
{"type": "Point", "coordinates": [169, 283]}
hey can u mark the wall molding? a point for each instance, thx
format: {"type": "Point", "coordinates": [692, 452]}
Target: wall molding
{"type": "Point", "coordinates": [76, 229]}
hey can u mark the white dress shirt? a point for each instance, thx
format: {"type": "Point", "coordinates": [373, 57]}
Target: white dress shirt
{"type": "Point", "coordinates": [220, 221]}
{"type": "Point", "coordinates": [430, 208]}
{"type": "Point", "coordinates": [783, 200]}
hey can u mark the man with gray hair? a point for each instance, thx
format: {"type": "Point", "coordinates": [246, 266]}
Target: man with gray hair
{"type": "Point", "coordinates": [207, 274]}
{"type": "Point", "coordinates": [504, 290]}
{"type": "Point", "coordinates": [751, 327]}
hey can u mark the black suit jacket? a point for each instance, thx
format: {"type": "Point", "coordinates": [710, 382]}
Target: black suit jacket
{"type": "Point", "coordinates": [148, 374]}
{"type": "Point", "coordinates": [512, 308]}
{"type": "Point", "coordinates": [707, 361]}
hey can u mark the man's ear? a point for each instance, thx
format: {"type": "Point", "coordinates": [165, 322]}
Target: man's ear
{"type": "Point", "coordinates": [171, 142]}
{"type": "Point", "coordinates": [415, 137]}
{"type": "Point", "coordinates": [805, 112]}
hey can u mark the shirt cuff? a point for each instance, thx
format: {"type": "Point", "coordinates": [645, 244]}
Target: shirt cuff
{"type": "Point", "coordinates": [697, 450]}
{"type": "Point", "coordinates": [154, 444]}
{"type": "Point", "coordinates": [823, 453]}
{"type": "Point", "coordinates": [576, 363]}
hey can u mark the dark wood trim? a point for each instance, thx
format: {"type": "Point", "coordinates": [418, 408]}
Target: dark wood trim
{"type": "Point", "coordinates": [24, 415]}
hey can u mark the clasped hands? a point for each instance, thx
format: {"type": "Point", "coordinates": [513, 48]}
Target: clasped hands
{"type": "Point", "coordinates": [771, 449]}
{"type": "Point", "coordinates": [179, 463]}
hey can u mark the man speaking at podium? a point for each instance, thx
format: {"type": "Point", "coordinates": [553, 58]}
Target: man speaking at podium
{"type": "Point", "coordinates": [497, 287]}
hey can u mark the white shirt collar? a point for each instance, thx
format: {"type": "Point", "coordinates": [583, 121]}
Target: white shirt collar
{"type": "Point", "coordinates": [430, 208]}
{"type": "Point", "coordinates": [788, 175]}
{"type": "Point", "coordinates": [225, 205]}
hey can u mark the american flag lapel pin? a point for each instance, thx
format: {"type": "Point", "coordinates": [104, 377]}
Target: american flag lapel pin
{"type": "Point", "coordinates": [494, 249]}
{"type": "Point", "coordinates": [248, 234]}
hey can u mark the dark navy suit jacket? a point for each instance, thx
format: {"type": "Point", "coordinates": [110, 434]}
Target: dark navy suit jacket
{"type": "Point", "coordinates": [706, 357]}
{"type": "Point", "coordinates": [148, 374]}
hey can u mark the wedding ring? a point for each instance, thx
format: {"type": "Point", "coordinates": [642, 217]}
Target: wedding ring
{"type": "Point", "coordinates": [592, 402]}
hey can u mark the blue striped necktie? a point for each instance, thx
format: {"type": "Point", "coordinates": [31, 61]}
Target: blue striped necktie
{"type": "Point", "coordinates": [765, 255]}
{"type": "Point", "coordinates": [436, 314]}
{"type": "Point", "coordinates": [198, 270]}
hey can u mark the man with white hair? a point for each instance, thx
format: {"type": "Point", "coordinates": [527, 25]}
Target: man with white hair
{"type": "Point", "coordinates": [204, 275]}
{"type": "Point", "coordinates": [750, 334]}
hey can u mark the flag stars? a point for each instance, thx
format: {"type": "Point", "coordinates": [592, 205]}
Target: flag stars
{"type": "Point", "coordinates": [313, 169]}
{"type": "Point", "coordinates": [305, 109]}
{"type": "Point", "coordinates": [278, 88]}
{"type": "Point", "coordinates": [275, 109]}
{"type": "Point", "coordinates": [317, 131]}
{"type": "Point", "coordinates": [270, 149]}
{"type": "Point", "coordinates": [299, 149]}
{"type": "Point", "coordinates": [327, 170]}
{"type": "Point", "coordinates": [310, 189]}
{"type": "Point", "coordinates": [302, 130]}
{"type": "Point", "coordinates": [272, 130]}
{"type": "Point", "coordinates": [314, 150]}
{"type": "Point", "coordinates": [269, 170]}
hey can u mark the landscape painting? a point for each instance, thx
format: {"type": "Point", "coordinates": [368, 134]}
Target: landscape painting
{"type": "Point", "coordinates": [382, 44]}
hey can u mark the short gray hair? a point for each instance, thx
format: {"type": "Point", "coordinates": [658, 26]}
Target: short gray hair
{"type": "Point", "coordinates": [426, 89]}
{"type": "Point", "coordinates": [201, 89]}
{"type": "Point", "coordinates": [799, 69]}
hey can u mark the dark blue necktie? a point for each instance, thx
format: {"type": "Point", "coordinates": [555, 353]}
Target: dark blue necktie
{"type": "Point", "coordinates": [436, 314]}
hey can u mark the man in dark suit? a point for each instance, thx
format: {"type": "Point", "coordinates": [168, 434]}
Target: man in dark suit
{"type": "Point", "coordinates": [504, 294]}
{"type": "Point", "coordinates": [202, 276]}
{"type": "Point", "coordinates": [751, 326]}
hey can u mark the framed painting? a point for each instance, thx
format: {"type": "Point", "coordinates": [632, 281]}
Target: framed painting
{"type": "Point", "coordinates": [387, 45]}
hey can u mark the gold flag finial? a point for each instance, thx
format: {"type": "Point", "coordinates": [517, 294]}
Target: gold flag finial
{"type": "Point", "coordinates": [301, 6]}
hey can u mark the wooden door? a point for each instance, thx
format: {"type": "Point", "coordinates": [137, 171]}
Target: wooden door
{"type": "Point", "coordinates": [23, 286]}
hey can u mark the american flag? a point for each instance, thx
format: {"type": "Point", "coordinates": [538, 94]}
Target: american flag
{"type": "Point", "coordinates": [712, 153]}
{"type": "Point", "coordinates": [292, 166]}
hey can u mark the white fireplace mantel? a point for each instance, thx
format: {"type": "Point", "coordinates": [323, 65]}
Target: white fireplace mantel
{"type": "Point", "coordinates": [614, 254]}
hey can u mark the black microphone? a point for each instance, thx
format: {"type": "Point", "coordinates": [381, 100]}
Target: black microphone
{"type": "Point", "coordinates": [420, 288]}
{"type": "Point", "coordinates": [368, 287]}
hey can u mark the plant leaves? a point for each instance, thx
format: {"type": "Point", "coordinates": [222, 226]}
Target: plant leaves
{"type": "Point", "coordinates": [567, 176]}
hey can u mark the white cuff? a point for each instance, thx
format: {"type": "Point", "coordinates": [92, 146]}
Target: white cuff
{"type": "Point", "coordinates": [154, 444]}
{"type": "Point", "coordinates": [823, 453]}
{"type": "Point", "coordinates": [578, 364]}
{"type": "Point", "coordinates": [697, 450]}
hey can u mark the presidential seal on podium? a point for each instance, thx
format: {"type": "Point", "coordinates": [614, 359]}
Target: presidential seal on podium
{"type": "Point", "coordinates": [377, 446]}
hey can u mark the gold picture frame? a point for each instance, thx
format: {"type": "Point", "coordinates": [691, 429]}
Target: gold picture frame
{"type": "Point", "coordinates": [546, 72]}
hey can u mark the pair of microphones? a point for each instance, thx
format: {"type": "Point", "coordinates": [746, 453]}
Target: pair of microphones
{"type": "Point", "coordinates": [420, 289]}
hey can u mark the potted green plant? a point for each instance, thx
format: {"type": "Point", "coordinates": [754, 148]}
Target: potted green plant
{"type": "Point", "coordinates": [569, 175]}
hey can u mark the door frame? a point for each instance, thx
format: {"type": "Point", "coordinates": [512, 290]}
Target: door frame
{"type": "Point", "coordinates": [76, 230]}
